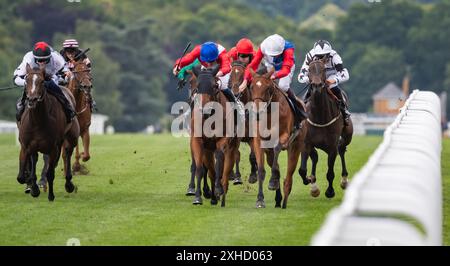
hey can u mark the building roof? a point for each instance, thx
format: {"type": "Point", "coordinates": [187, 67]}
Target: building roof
{"type": "Point", "coordinates": [389, 91]}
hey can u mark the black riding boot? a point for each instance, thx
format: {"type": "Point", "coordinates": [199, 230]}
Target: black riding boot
{"type": "Point", "coordinates": [299, 114]}
{"type": "Point", "coordinates": [56, 91]}
{"type": "Point", "coordinates": [342, 106]}
{"type": "Point", "coordinates": [20, 106]}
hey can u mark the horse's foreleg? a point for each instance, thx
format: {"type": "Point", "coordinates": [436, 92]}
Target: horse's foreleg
{"type": "Point", "coordinates": [293, 154]}
{"type": "Point", "coordinates": [220, 160]}
{"type": "Point", "coordinates": [344, 177]}
{"type": "Point", "coordinates": [53, 158]}
{"type": "Point", "coordinates": [197, 152]}
{"type": "Point", "coordinates": [23, 158]}
{"type": "Point", "coordinates": [34, 187]}
{"type": "Point", "coordinates": [76, 165]}
{"type": "Point", "coordinates": [302, 170]}
{"type": "Point", "coordinates": [237, 176]}
{"type": "Point", "coordinates": [227, 168]}
{"type": "Point", "coordinates": [330, 174]}
{"type": "Point", "coordinates": [254, 166]}
{"type": "Point", "coordinates": [315, 192]}
{"type": "Point", "coordinates": [206, 189]}
{"type": "Point", "coordinates": [209, 165]}
{"type": "Point", "coordinates": [274, 182]}
{"type": "Point", "coordinates": [261, 173]}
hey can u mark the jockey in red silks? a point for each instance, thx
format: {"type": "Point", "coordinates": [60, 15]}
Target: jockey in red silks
{"type": "Point", "coordinates": [243, 51]}
{"type": "Point", "coordinates": [278, 54]}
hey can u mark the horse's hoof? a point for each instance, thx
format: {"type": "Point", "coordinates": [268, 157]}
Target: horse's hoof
{"type": "Point", "coordinates": [76, 168]}
{"type": "Point", "coordinates": [51, 197]}
{"type": "Point", "coordinates": [284, 205]}
{"type": "Point", "coordinates": [277, 205]}
{"type": "Point", "coordinates": [329, 193]}
{"type": "Point", "coordinates": [252, 178]}
{"type": "Point", "coordinates": [274, 184]}
{"type": "Point", "coordinates": [312, 179]}
{"type": "Point", "coordinates": [232, 176]}
{"type": "Point", "coordinates": [344, 183]}
{"type": "Point", "coordinates": [69, 187]}
{"type": "Point", "coordinates": [214, 201]}
{"type": "Point", "coordinates": [85, 158]}
{"type": "Point", "coordinates": [219, 191]}
{"type": "Point", "coordinates": [21, 180]}
{"type": "Point", "coordinates": [27, 190]}
{"type": "Point", "coordinates": [315, 193]}
{"type": "Point", "coordinates": [260, 204]}
{"type": "Point", "coordinates": [190, 192]}
{"type": "Point", "coordinates": [35, 192]}
{"type": "Point", "coordinates": [306, 181]}
{"type": "Point", "coordinates": [207, 193]}
{"type": "Point", "coordinates": [197, 201]}
{"type": "Point", "coordinates": [237, 181]}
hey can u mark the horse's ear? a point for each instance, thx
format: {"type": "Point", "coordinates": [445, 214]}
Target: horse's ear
{"type": "Point", "coordinates": [270, 73]}
{"type": "Point", "coordinates": [215, 69]}
{"type": "Point", "coordinates": [28, 68]}
{"type": "Point", "coordinates": [196, 69]}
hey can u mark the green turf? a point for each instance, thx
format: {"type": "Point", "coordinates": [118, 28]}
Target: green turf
{"type": "Point", "coordinates": [134, 195]}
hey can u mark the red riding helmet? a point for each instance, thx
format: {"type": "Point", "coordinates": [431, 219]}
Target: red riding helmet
{"type": "Point", "coordinates": [244, 46]}
{"type": "Point", "coordinates": [42, 51]}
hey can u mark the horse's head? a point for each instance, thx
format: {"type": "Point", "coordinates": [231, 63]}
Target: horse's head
{"type": "Point", "coordinates": [262, 89]}
{"type": "Point", "coordinates": [82, 76]}
{"type": "Point", "coordinates": [34, 87]}
{"type": "Point", "coordinates": [206, 83]}
{"type": "Point", "coordinates": [317, 75]}
{"type": "Point", "coordinates": [236, 75]}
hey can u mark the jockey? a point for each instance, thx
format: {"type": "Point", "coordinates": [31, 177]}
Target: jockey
{"type": "Point", "coordinates": [336, 73]}
{"type": "Point", "coordinates": [278, 54]}
{"type": "Point", "coordinates": [43, 56]}
{"type": "Point", "coordinates": [243, 51]}
{"type": "Point", "coordinates": [71, 49]}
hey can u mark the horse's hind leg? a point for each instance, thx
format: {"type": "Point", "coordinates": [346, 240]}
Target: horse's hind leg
{"type": "Point", "coordinates": [23, 159]}
{"type": "Point", "coordinates": [52, 162]}
{"type": "Point", "coordinates": [34, 187]}
{"type": "Point", "coordinates": [68, 150]}
{"type": "Point", "coordinates": [293, 154]}
{"type": "Point", "coordinates": [43, 181]}
{"type": "Point", "coordinates": [252, 158]}
{"type": "Point", "coordinates": [303, 168]}
{"type": "Point", "coordinates": [209, 166]}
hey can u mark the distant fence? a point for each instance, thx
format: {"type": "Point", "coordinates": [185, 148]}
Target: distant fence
{"type": "Point", "coordinates": [396, 198]}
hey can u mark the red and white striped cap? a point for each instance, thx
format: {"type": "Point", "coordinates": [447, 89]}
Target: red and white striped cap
{"type": "Point", "coordinates": [70, 43]}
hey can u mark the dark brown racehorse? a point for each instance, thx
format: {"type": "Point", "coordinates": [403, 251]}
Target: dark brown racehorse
{"type": "Point", "coordinates": [325, 130]}
{"type": "Point", "coordinates": [236, 78]}
{"type": "Point", "coordinates": [44, 128]}
{"type": "Point", "coordinates": [265, 91]}
{"type": "Point", "coordinates": [80, 84]}
{"type": "Point", "coordinates": [216, 152]}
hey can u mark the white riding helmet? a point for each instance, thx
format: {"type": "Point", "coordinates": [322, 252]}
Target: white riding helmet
{"type": "Point", "coordinates": [322, 47]}
{"type": "Point", "coordinates": [273, 45]}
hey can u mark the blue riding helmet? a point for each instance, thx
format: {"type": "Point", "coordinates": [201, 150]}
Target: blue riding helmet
{"type": "Point", "coordinates": [209, 52]}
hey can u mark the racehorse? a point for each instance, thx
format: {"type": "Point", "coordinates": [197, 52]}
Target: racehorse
{"type": "Point", "coordinates": [216, 152]}
{"type": "Point", "coordinates": [325, 130]}
{"type": "Point", "coordinates": [236, 78]}
{"type": "Point", "coordinates": [265, 91]}
{"type": "Point", "coordinates": [80, 84]}
{"type": "Point", "coordinates": [44, 128]}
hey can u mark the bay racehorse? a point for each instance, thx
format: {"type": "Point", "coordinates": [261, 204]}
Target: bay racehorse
{"type": "Point", "coordinates": [265, 91]}
{"type": "Point", "coordinates": [80, 84]}
{"type": "Point", "coordinates": [215, 149]}
{"type": "Point", "coordinates": [236, 78]}
{"type": "Point", "coordinates": [44, 128]}
{"type": "Point", "coordinates": [325, 130]}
